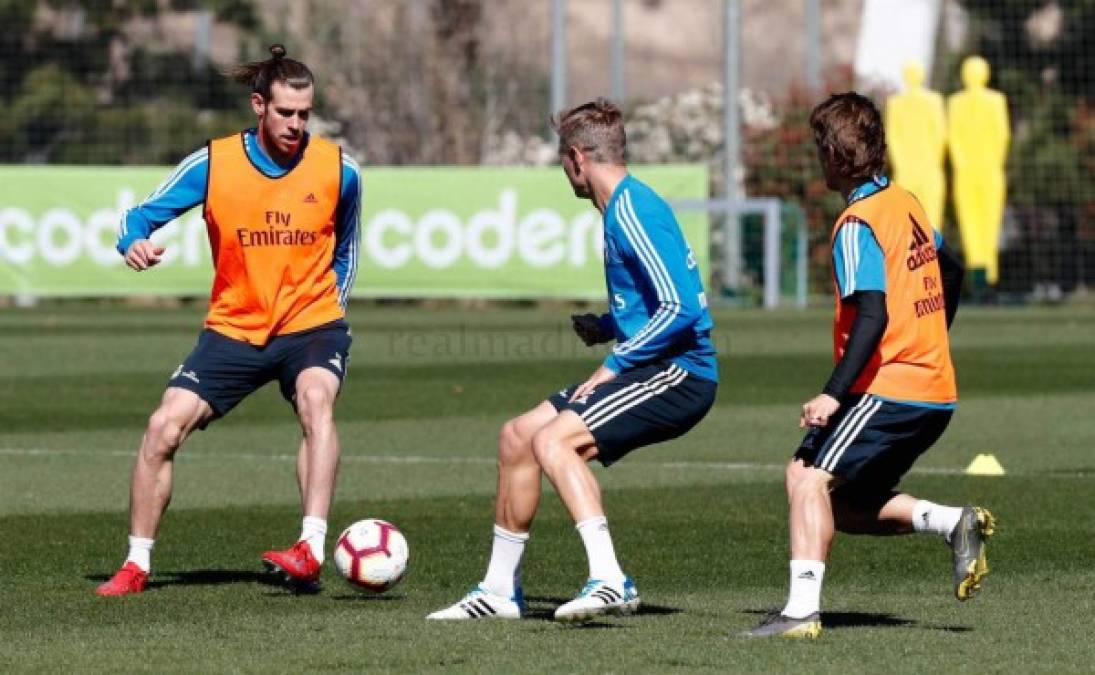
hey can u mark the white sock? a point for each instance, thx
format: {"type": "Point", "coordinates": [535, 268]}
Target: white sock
{"type": "Point", "coordinates": [935, 519]}
{"type": "Point", "coordinates": [602, 556]}
{"type": "Point", "coordinates": [140, 552]}
{"type": "Point", "coordinates": [805, 596]}
{"type": "Point", "coordinates": [504, 569]}
{"type": "Point", "coordinates": [314, 531]}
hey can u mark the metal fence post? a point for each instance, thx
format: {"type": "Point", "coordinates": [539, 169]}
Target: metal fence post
{"type": "Point", "coordinates": [732, 135]}
{"type": "Point", "coordinates": [558, 55]}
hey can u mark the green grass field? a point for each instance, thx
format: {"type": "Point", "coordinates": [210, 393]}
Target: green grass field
{"type": "Point", "coordinates": [700, 522]}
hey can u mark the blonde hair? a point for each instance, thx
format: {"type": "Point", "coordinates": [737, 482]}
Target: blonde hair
{"type": "Point", "coordinates": [596, 128]}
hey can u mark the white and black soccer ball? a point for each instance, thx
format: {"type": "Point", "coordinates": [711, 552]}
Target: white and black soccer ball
{"type": "Point", "coordinates": [372, 555]}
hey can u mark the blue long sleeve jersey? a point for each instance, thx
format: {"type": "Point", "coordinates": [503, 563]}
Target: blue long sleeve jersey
{"type": "Point", "coordinates": [185, 188]}
{"type": "Point", "coordinates": [658, 309]}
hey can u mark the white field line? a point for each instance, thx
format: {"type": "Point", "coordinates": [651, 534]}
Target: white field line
{"type": "Point", "coordinates": [423, 459]}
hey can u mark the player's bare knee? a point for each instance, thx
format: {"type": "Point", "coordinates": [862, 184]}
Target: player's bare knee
{"type": "Point", "coordinates": [546, 447]}
{"type": "Point", "coordinates": [315, 407]}
{"type": "Point", "coordinates": [789, 475]}
{"type": "Point", "coordinates": [549, 448]}
{"type": "Point", "coordinates": [163, 436]}
{"type": "Point", "coordinates": [813, 481]}
{"type": "Point", "coordinates": [512, 446]}
{"type": "Point", "coordinates": [793, 473]}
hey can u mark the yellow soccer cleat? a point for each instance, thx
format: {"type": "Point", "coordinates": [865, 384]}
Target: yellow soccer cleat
{"type": "Point", "coordinates": [778, 625]}
{"type": "Point", "coordinates": [967, 543]}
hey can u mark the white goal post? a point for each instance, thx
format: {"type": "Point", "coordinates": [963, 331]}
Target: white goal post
{"type": "Point", "coordinates": [729, 267]}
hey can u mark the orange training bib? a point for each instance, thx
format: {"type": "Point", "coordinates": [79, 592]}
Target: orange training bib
{"type": "Point", "coordinates": [913, 360]}
{"type": "Point", "coordinates": [273, 242]}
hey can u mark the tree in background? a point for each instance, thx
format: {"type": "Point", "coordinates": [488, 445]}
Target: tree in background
{"type": "Point", "coordinates": [95, 82]}
{"type": "Point", "coordinates": [119, 81]}
{"type": "Point", "coordinates": [428, 82]}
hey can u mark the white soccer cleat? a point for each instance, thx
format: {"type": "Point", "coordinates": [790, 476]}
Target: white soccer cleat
{"type": "Point", "coordinates": [598, 598]}
{"type": "Point", "coordinates": [480, 604]}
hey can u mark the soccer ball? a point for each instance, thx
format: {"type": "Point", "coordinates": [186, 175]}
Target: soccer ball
{"type": "Point", "coordinates": [372, 554]}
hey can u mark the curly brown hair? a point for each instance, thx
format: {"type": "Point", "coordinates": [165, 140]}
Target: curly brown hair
{"type": "Point", "coordinates": [848, 131]}
{"type": "Point", "coordinates": [596, 128]}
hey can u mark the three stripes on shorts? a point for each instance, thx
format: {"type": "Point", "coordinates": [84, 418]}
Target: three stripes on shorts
{"type": "Point", "coordinates": [632, 395]}
{"type": "Point", "coordinates": [846, 432]}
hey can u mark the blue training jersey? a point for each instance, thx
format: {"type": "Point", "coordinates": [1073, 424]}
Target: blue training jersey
{"type": "Point", "coordinates": [658, 309]}
{"type": "Point", "coordinates": [859, 262]}
{"type": "Point", "coordinates": [185, 188]}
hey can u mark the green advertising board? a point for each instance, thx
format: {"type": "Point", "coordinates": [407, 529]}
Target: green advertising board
{"type": "Point", "coordinates": [426, 232]}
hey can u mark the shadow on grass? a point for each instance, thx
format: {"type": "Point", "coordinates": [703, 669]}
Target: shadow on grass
{"type": "Point", "coordinates": [542, 607]}
{"type": "Point", "coordinates": [220, 577]}
{"type": "Point", "coordinates": [368, 597]}
{"type": "Point", "coordinates": [841, 620]}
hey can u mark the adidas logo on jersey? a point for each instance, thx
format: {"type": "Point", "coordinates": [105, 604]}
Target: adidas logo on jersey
{"type": "Point", "coordinates": [311, 198]}
{"type": "Point", "coordinates": [922, 249]}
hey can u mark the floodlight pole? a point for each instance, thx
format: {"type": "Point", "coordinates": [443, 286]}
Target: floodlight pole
{"type": "Point", "coordinates": [618, 51]}
{"type": "Point", "coordinates": [813, 46]}
{"type": "Point", "coordinates": [731, 273]}
{"type": "Point", "coordinates": [558, 55]}
{"type": "Point", "coordinates": [203, 27]}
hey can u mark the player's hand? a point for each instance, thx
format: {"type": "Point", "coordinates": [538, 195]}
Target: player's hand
{"type": "Point", "coordinates": [143, 254]}
{"type": "Point", "coordinates": [602, 375]}
{"type": "Point", "coordinates": [588, 327]}
{"type": "Point", "coordinates": [817, 411]}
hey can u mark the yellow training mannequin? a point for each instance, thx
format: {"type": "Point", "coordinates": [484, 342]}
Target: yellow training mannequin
{"type": "Point", "coordinates": [978, 135]}
{"type": "Point", "coordinates": [916, 136]}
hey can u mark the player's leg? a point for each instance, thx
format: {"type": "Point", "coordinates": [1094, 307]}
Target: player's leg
{"type": "Point", "coordinates": [562, 449]}
{"type": "Point", "coordinates": [899, 434]}
{"type": "Point", "coordinates": [218, 374]}
{"type": "Point", "coordinates": [812, 527]}
{"type": "Point", "coordinates": [180, 412]}
{"type": "Point", "coordinates": [888, 513]}
{"type": "Point", "coordinates": [310, 369]}
{"type": "Point", "coordinates": [302, 467]}
{"type": "Point", "coordinates": [964, 529]}
{"type": "Point", "coordinates": [517, 500]}
{"type": "Point", "coordinates": [811, 475]}
{"type": "Point", "coordinates": [499, 595]}
{"type": "Point", "coordinates": [317, 390]}
{"type": "Point", "coordinates": [639, 408]}
{"type": "Point", "coordinates": [519, 473]}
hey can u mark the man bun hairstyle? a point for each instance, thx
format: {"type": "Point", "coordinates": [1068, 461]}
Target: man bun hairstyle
{"type": "Point", "coordinates": [596, 128]}
{"type": "Point", "coordinates": [848, 131]}
{"type": "Point", "coordinates": [261, 75]}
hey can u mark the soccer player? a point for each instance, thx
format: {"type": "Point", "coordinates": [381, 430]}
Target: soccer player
{"type": "Point", "coordinates": [892, 391]}
{"type": "Point", "coordinates": [282, 210]}
{"type": "Point", "coordinates": [658, 381]}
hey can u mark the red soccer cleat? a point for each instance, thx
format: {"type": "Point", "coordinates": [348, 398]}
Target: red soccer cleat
{"type": "Point", "coordinates": [130, 579]}
{"type": "Point", "coordinates": [298, 564]}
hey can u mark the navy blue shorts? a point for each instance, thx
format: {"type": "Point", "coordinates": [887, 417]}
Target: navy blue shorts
{"type": "Point", "coordinates": [871, 443]}
{"type": "Point", "coordinates": [223, 371]}
{"type": "Point", "coordinates": [640, 407]}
